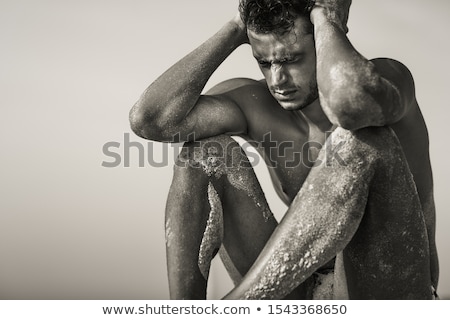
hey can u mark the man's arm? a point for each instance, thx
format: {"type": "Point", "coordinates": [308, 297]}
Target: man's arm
{"type": "Point", "coordinates": [318, 225]}
{"type": "Point", "coordinates": [173, 106]}
{"type": "Point", "coordinates": [355, 92]}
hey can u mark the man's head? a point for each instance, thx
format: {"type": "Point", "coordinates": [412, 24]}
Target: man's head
{"type": "Point", "coordinates": [281, 35]}
{"type": "Point", "coordinates": [274, 16]}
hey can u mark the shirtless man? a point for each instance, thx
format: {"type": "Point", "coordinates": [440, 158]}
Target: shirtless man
{"type": "Point", "coordinates": [361, 209]}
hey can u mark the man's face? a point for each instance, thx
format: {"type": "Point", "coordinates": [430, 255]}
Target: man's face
{"type": "Point", "coordinates": [288, 63]}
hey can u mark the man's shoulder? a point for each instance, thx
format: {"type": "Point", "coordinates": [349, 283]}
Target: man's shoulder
{"type": "Point", "coordinates": [392, 66]}
{"type": "Point", "coordinates": [236, 84]}
{"type": "Point", "coordinates": [401, 78]}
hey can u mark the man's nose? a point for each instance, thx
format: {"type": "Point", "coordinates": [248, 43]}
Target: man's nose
{"type": "Point", "coordinates": [278, 74]}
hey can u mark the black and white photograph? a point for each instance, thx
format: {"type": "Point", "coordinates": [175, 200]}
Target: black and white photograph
{"type": "Point", "coordinates": [239, 149]}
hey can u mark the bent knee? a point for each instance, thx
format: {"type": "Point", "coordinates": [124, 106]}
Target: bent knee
{"type": "Point", "coordinates": [212, 155]}
{"type": "Point", "coordinates": [367, 145]}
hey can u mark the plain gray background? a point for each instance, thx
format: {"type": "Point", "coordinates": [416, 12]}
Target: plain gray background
{"type": "Point", "coordinates": [70, 71]}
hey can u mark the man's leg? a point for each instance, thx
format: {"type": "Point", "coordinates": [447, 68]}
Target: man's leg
{"type": "Point", "coordinates": [365, 205]}
{"type": "Point", "coordinates": [214, 179]}
{"type": "Point", "coordinates": [388, 257]}
{"type": "Point", "coordinates": [209, 186]}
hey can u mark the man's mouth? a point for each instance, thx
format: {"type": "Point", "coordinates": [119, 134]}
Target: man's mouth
{"type": "Point", "coordinates": [284, 95]}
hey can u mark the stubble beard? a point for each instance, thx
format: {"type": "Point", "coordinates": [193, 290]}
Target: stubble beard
{"type": "Point", "coordinates": [311, 96]}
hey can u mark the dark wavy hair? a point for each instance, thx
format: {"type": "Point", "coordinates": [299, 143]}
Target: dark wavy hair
{"type": "Point", "coordinates": [274, 16]}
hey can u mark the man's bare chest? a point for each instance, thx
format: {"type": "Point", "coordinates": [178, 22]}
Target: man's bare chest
{"type": "Point", "coordinates": [290, 154]}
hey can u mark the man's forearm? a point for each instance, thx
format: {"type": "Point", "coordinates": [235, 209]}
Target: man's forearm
{"type": "Point", "coordinates": [319, 223]}
{"type": "Point", "coordinates": [168, 100]}
{"type": "Point", "coordinates": [309, 235]}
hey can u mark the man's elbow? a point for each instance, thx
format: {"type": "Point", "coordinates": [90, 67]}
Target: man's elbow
{"type": "Point", "coordinates": [144, 125]}
{"type": "Point", "coordinates": [348, 122]}
{"type": "Point", "coordinates": [355, 110]}
{"type": "Point", "coordinates": [342, 111]}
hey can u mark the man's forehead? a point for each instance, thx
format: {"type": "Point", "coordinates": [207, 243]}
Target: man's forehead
{"type": "Point", "coordinates": [272, 46]}
{"type": "Point", "coordinates": [289, 38]}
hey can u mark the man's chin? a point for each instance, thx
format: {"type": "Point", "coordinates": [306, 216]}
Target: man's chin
{"type": "Point", "coordinates": [291, 105]}
{"type": "Point", "coordinates": [296, 104]}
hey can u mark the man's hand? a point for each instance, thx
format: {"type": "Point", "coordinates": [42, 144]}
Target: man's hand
{"type": "Point", "coordinates": [173, 106]}
{"type": "Point", "coordinates": [335, 11]}
{"type": "Point", "coordinates": [241, 27]}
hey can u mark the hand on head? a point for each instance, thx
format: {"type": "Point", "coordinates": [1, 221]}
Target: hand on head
{"type": "Point", "coordinates": [336, 11]}
{"type": "Point", "coordinates": [241, 27]}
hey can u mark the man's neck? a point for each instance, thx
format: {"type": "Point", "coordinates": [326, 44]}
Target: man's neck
{"type": "Point", "coordinates": [314, 113]}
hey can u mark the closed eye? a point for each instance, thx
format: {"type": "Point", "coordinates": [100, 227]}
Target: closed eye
{"type": "Point", "coordinates": [263, 64]}
{"type": "Point", "coordinates": [290, 60]}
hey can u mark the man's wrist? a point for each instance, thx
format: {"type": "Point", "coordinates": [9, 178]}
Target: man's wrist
{"type": "Point", "coordinates": [240, 28]}
{"type": "Point", "coordinates": [320, 16]}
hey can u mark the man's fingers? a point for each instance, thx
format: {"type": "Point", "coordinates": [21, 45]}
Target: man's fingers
{"type": "Point", "coordinates": [336, 10]}
{"type": "Point", "coordinates": [310, 5]}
